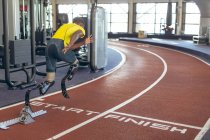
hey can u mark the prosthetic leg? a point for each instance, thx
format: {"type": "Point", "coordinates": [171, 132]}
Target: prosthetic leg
{"type": "Point", "coordinates": [26, 115]}
{"type": "Point", "coordinates": [72, 69]}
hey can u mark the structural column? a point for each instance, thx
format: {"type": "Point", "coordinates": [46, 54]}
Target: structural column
{"type": "Point", "coordinates": [179, 17]}
{"type": "Point", "coordinates": [130, 16]}
{"type": "Point", "coordinates": [204, 25]}
{"type": "Point", "coordinates": [54, 12]}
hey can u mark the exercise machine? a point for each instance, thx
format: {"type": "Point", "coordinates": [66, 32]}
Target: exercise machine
{"type": "Point", "coordinates": [26, 114]}
{"type": "Point", "coordinates": [18, 55]}
{"type": "Point", "coordinates": [98, 29]}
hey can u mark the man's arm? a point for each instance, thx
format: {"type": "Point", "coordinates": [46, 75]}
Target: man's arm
{"type": "Point", "coordinates": [79, 44]}
{"type": "Point", "coordinates": [74, 38]}
{"type": "Point", "coordinates": [84, 42]}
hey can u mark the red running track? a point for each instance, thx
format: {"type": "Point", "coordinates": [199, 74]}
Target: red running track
{"type": "Point", "coordinates": [155, 93]}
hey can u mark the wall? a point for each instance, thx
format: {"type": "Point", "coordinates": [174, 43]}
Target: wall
{"type": "Point", "coordinates": [204, 6]}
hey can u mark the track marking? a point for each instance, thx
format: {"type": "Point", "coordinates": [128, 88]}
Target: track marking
{"type": "Point", "coordinates": [118, 106]}
{"type": "Point", "coordinates": [203, 131]}
{"type": "Point", "coordinates": [207, 125]}
{"type": "Point", "coordinates": [157, 120]}
{"type": "Point", "coordinates": [58, 92]}
{"type": "Point", "coordinates": [185, 54]}
{"type": "Point", "coordinates": [115, 43]}
{"type": "Point", "coordinates": [146, 46]}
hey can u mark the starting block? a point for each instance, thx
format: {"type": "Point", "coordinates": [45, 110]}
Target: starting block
{"type": "Point", "coordinates": [26, 115]}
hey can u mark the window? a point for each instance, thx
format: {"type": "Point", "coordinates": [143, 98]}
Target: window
{"type": "Point", "coordinates": [192, 19]}
{"type": "Point", "coordinates": [151, 17]}
{"type": "Point", "coordinates": [72, 10]}
{"type": "Point", "coordinates": [117, 14]}
{"type": "Point", "coordinates": [117, 17]}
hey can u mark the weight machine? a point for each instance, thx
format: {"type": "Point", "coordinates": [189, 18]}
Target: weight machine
{"type": "Point", "coordinates": [26, 114]}
{"type": "Point", "coordinates": [13, 57]}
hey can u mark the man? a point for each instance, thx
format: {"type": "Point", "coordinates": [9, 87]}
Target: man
{"type": "Point", "coordinates": [61, 47]}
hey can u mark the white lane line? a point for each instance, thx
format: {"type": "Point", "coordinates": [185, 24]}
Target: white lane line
{"type": "Point", "coordinates": [203, 131]}
{"type": "Point", "coordinates": [186, 54]}
{"type": "Point", "coordinates": [118, 43]}
{"type": "Point", "coordinates": [157, 120]}
{"type": "Point", "coordinates": [118, 106]}
{"type": "Point", "coordinates": [58, 92]}
{"type": "Point", "coordinates": [146, 46]}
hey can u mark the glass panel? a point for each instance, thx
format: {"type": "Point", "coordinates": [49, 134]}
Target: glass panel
{"type": "Point", "coordinates": [108, 27]}
{"type": "Point", "coordinates": [119, 27]}
{"type": "Point", "coordinates": [145, 8]}
{"type": "Point", "coordinates": [65, 8]}
{"type": "Point", "coordinates": [119, 8]}
{"type": "Point", "coordinates": [188, 29]}
{"type": "Point", "coordinates": [158, 29]}
{"type": "Point", "coordinates": [107, 7]}
{"type": "Point", "coordinates": [192, 18]}
{"type": "Point", "coordinates": [173, 19]}
{"type": "Point", "coordinates": [161, 7]}
{"type": "Point", "coordinates": [145, 18]}
{"type": "Point", "coordinates": [192, 8]}
{"type": "Point", "coordinates": [83, 8]}
{"type": "Point", "coordinates": [150, 16]}
{"type": "Point", "coordinates": [119, 18]}
{"type": "Point", "coordinates": [70, 16]}
{"type": "Point", "coordinates": [72, 10]}
{"type": "Point", "coordinates": [173, 26]}
{"type": "Point", "coordinates": [160, 18]}
{"type": "Point", "coordinates": [108, 16]}
{"type": "Point", "coordinates": [174, 8]}
{"type": "Point", "coordinates": [148, 28]}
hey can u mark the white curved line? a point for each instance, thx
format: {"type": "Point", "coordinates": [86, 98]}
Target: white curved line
{"type": "Point", "coordinates": [186, 54]}
{"type": "Point", "coordinates": [54, 93]}
{"type": "Point", "coordinates": [118, 106]}
{"type": "Point", "coordinates": [168, 49]}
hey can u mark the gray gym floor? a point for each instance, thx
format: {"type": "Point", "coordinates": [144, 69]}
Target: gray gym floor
{"type": "Point", "coordinates": [83, 74]}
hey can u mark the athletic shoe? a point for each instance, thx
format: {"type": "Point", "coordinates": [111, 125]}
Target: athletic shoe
{"type": "Point", "coordinates": [45, 87]}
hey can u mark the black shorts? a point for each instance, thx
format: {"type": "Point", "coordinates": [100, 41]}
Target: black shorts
{"type": "Point", "coordinates": [54, 53]}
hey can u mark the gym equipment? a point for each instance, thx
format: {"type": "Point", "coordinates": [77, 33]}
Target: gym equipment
{"type": "Point", "coordinates": [98, 29]}
{"type": "Point", "coordinates": [13, 58]}
{"type": "Point", "coordinates": [26, 115]}
{"type": "Point", "coordinates": [24, 16]}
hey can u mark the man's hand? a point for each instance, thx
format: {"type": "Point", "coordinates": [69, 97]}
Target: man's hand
{"type": "Point", "coordinates": [68, 47]}
{"type": "Point", "coordinates": [89, 40]}
{"type": "Point", "coordinates": [65, 49]}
